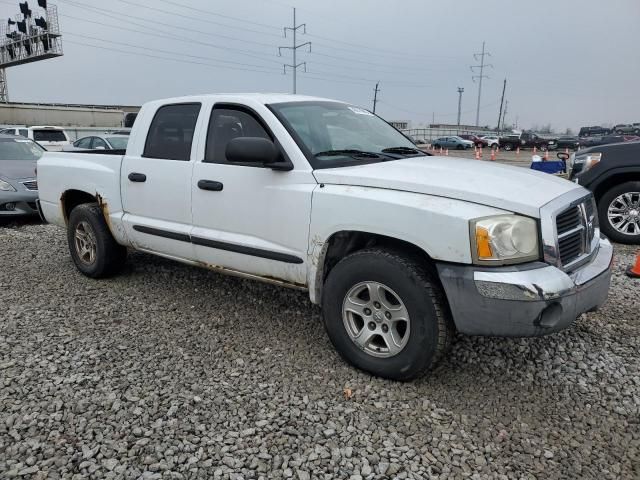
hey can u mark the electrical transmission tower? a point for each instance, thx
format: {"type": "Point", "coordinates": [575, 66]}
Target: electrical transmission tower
{"type": "Point", "coordinates": [294, 48]}
{"type": "Point", "coordinates": [375, 96]}
{"type": "Point", "coordinates": [480, 57]}
{"type": "Point", "coordinates": [4, 92]}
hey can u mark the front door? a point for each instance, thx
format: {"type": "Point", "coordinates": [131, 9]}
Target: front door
{"type": "Point", "coordinates": [156, 185]}
{"type": "Point", "coordinates": [249, 218]}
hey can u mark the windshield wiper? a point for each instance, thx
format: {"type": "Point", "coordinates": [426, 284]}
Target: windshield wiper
{"type": "Point", "coordinates": [403, 150]}
{"type": "Point", "coordinates": [348, 152]}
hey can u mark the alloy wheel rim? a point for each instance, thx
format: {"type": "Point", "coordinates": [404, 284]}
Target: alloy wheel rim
{"type": "Point", "coordinates": [376, 319]}
{"type": "Point", "coordinates": [624, 213]}
{"type": "Point", "coordinates": [85, 242]}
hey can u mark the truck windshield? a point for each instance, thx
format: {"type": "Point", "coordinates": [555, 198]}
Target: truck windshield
{"type": "Point", "coordinates": [335, 134]}
{"type": "Point", "coordinates": [19, 149]}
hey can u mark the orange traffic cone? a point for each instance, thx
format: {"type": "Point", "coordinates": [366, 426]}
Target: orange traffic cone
{"type": "Point", "coordinates": [566, 150]}
{"type": "Point", "coordinates": [517, 151]}
{"type": "Point", "coordinates": [440, 150]}
{"type": "Point", "coordinates": [634, 271]}
{"type": "Point", "coordinates": [534, 150]}
{"type": "Point", "coordinates": [446, 152]}
{"type": "Point", "coordinates": [477, 154]}
{"type": "Point", "coordinates": [493, 155]}
{"type": "Point", "coordinates": [546, 155]}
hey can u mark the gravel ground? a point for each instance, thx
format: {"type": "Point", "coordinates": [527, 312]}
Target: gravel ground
{"type": "Point", "coordinates": [169, 371]}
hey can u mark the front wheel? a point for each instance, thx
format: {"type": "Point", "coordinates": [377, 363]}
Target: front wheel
{"type": "Point", "coordinates": [619, 212]}
{"type": "Point", "coordinates": [508, 147]}
{"type": "Point", "coordinates": [385, 314]}
{"type": "Point", "coordinates": [460, 147]}
{"type": "Point", "coordinates": [93, 249]}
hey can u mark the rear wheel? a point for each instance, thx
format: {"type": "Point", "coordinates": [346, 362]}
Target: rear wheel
{"type": "Point", "coordinates": [619, 213]}
{"type": "Point", "coordinates": [385, 314]}
{"type": "Point", "coordinates": [508, 147]}
{"type": "Point", "coordinates": [93, 249]}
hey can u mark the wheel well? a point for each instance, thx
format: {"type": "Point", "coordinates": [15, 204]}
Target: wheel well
{"type": "Point", "coordinates": [343, 243]}
{"type": "Point", "coordinates": [614, 180]}
{"type": "Point", "coordinates": [72, 198]}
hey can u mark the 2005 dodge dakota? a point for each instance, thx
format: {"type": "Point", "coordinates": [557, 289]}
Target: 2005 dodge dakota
{"type": "Point", "coordinates": [399, 248]}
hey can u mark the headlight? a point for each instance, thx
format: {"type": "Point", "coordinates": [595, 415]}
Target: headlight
{"type": "Point", "coordinates": [587, 160]}
{"type": "Point", "coordinates": [6, 187]}
{"type": "Point", "coordinates": [504, 239]}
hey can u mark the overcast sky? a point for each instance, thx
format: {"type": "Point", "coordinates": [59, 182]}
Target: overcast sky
{"type": "Point", "coordinates": [568, 63]}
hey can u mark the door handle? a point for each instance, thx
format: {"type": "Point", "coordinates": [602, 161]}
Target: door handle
{"type": "Point", "coordinates": [210, 185]}
{"type": "Point", "coordinates": [137, 177]}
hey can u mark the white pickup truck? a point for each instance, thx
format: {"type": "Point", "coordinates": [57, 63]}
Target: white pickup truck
{"type": "Point", "coordinates": [399, 248]}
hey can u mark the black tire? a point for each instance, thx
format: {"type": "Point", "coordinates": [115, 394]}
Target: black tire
{"type": "Point", "coordinates": [603, 206]}
{"type": "Point", "coordinates": [636, 131]}
{"type": "Point", "coordinates": [435, 145]}
{"type": "Point", "coordinates": [543, 148]}
{"type": "Point", "coordinates": [619, 132]}
{"type": "Point", "coordinates": [109, 256]}
{"type": "Point", "coordinates": [460, 147]}
{"type": "Point", "coordinates": [508, 147]}
{"type": "Point", "coordinates": [431, 328]}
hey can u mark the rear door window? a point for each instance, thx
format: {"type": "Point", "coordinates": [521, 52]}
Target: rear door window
{"type": "Point", "coordinates": [171, 132]}
{"type": "Point", "coordinates": [83, 143]}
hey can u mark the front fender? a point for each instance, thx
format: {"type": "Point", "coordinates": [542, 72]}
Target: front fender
{"type": "Point", "coordinates": [437, 225]}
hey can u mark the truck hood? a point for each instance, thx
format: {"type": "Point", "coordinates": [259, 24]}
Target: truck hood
{"type": "Point", "coordinates": [515, 189]}
{"type": "Point", "coordinates": [17, 169]}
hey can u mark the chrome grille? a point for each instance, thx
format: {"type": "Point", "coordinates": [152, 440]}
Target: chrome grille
{"type": "Point", "coordinates": [31, 185]}
{"type": "Point", "coordinates": [576, 227]}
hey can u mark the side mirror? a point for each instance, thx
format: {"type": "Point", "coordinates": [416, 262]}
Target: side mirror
{"type": "Point", "coordinates": [252, 150]}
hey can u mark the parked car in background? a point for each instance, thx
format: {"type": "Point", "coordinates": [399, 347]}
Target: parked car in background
{"type": "Point", "coordinates": [572, 143]}
{"type": "Point", "coordinates": [491, 140]}
{"type": "Point", "coordinates": [18, 185]}
{"type": "Point", "coordinates": [591, 131]}
{"type": "Point", "coordinates": [586, 142]}
{"type": "Point", "coordinates": [527, 140]}
{"type": "Point", "coordinates": [626, 128]}
{"type": "Point", "coordinates": [99, 142]}
{"type": "Point", "coordinates": [53, 139]}
{"type": "Point", "coordinates": [477, 141]}
{"type": "Point", "coordinates": [453, 142]}
{"type": "Point", "coordinates": [612, 173]}
{"type": "Point", "coordinates": [399, 249]}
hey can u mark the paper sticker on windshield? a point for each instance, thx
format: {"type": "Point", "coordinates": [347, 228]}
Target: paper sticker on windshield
{"type": "Point", "coordinates": [360, 111]}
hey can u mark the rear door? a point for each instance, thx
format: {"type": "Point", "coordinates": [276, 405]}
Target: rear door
{"type": "Point", "coordinates": [156, 182]}
{"type": "Point", "coordinates": [249, 218]}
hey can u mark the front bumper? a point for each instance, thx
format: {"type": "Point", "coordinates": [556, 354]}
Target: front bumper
{"type": "Point", "coordinates": [525, 300]}
{"type": "Point", "coordinates": [13, 204]}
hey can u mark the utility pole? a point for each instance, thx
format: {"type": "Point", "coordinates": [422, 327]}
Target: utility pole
{"type": "Point", "coordinates": [504, 115]}
{"type": "Point", "coordinates": [460, 90]}
{"type": "Point", "coordinates": [375, 96]}
{"type": "Point", "coordinates": [480, 57]}
{"type": "Point", "coordinates": [4, 93]}
{"type": "Point", "coordinates": [504, 87]}
{"type": "Point", "coordinates": [294, 48]}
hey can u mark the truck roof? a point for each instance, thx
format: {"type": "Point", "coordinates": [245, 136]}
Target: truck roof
{"type": "Point", "coordinates": [264, 98]}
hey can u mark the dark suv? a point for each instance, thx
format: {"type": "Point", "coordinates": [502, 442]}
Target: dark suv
{"type": "Point", "coordinates": [590, 131]}
{"type": "Point", "coordinates": [612, 173]}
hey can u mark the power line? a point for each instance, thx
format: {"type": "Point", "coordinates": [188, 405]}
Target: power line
{"type": "Point", "coordinates": [294, 48]}
{"type": "Point", "coordinates": [480, 77]}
